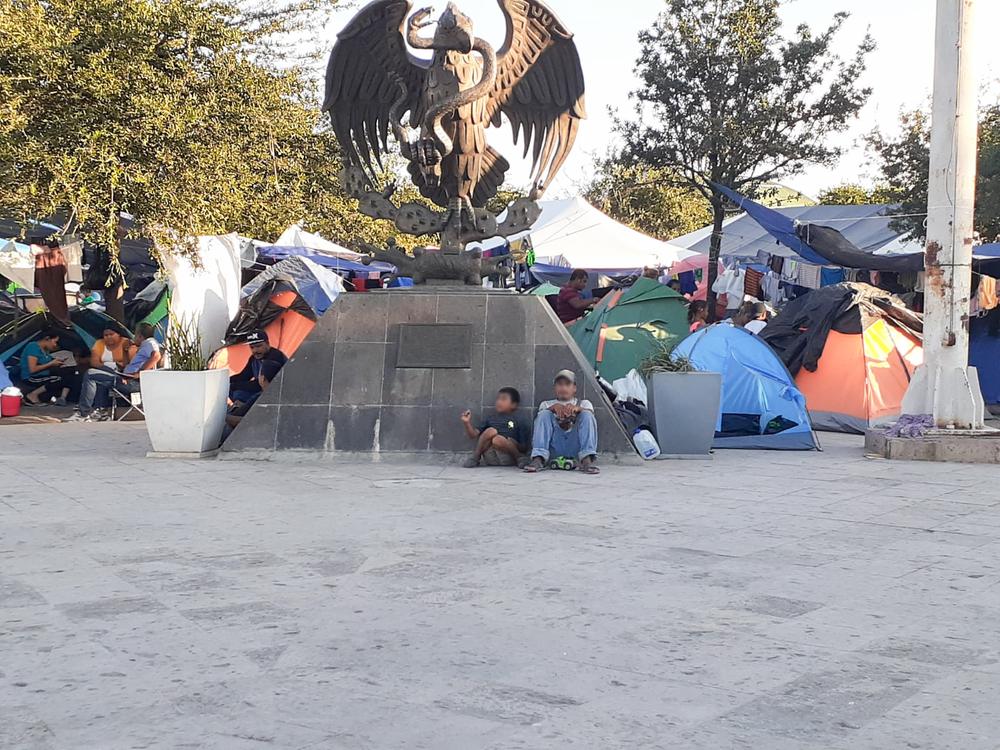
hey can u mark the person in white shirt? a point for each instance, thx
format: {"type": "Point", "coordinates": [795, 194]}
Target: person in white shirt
{"type": "Point", "coordinates": [565, 430]}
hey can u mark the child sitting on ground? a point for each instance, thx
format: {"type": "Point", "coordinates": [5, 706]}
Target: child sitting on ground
{"type": "Point", "coordinates": [503, 437]}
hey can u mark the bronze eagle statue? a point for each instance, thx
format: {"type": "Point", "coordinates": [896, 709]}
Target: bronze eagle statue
{"type": "Point", "coordinates": [373, 82]}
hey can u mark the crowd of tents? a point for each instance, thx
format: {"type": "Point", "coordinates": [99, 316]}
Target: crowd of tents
{"type": "Point", "coordinates": [838, 358]}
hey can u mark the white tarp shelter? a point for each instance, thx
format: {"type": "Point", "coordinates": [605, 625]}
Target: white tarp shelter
{"type": "Point", "coordinates": [869, 227]}
{"type": "Point", "coordinates": [296, 236]}
{"type": "Point", "coordinates": [17, 263]}
{"type": "Point", "coordinates": [572, 233]}
{"type": "Point", "coordinates": [209, 294]}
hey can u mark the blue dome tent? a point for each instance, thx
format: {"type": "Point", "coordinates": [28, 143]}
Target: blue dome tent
{"type": "Point", "coordinates": [761, 407]}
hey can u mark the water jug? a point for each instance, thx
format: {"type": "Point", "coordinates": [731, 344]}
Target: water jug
{"type": "Point", "coordinates": [645, 443]}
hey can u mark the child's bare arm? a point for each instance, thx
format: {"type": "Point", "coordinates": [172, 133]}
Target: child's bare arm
{"type": "Point", "coordinates": [471, 431]}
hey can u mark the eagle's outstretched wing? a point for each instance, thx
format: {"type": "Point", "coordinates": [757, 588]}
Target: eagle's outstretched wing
{"type": "Point", "coordinates": [368, 70]}
{"type": "Point", "coordinates": [539, 86]}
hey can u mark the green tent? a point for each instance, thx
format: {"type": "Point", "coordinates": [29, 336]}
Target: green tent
{"type": "Point", "coordinates": [544, 290]}
{"type": "Point", "coordinates": [629, 324]}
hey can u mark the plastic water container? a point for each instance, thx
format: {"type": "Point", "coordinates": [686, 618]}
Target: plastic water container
{"type": "Point", "coordinates": [646, 444]}
{"type": "Point", "coordinates": [10, 402]}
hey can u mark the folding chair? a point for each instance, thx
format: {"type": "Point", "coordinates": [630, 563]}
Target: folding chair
{"type": "Point", "coordinates": [132, 399]}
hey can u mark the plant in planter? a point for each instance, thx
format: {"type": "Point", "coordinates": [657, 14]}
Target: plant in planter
{"type": "Point", "coordinates": [663, 359]}
{"type": "Point", "coordinates": [683, 403]}
{"type": "Point", "coordinates": [185, 403]}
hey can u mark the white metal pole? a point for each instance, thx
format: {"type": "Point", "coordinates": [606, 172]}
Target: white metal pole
{"type": "Point", "coordinates": [945, 387]}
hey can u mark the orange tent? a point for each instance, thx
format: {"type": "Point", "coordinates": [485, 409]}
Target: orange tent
{"type": "Point", "coordinates": [853, 350]}
{"type": "Point", "coordinates": [285, 333]}
{"type": "Point", "coordinates": [861, 379]}
{"type": "Point", "coordinates": [286, 300]}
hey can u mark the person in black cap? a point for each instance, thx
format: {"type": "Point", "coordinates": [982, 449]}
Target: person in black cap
{"type": "Point", "coordinates": [263, 366]}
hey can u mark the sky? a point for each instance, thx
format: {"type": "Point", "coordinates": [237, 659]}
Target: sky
{"type": "Point", "coordinates": [899, 71]}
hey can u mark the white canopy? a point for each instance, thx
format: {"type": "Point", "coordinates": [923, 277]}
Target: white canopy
{"type": "Point", "coordinates": [572, 233]}
{"type": "Point", "coordinates": [295, 236]}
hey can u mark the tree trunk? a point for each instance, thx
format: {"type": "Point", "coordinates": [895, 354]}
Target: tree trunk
{"type": "Point", "coordinates": [718, 217]}
{"type": "Point", "coordinates": [114, 302]}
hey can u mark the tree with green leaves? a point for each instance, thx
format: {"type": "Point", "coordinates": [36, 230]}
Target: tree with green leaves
{"type": "Point", "coordinates": [725, 98]}
{"type": "Point", "coordinates": [173, 111]}
{"type": "Point", "coordinates": [904, 158]}
{"type": "Point", "coordinates": [649, 200]}
{"type": "Point", "coordinates": [853, 194]}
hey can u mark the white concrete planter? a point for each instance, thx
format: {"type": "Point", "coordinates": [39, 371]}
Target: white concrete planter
{"type": "Point", "coordinates": [185, 411]}
{"type": "Point", "coordinates": [684, 407]}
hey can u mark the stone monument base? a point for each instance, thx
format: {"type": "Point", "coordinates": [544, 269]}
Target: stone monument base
{"type": "Point", "coordinates": [957, 446]}
{"type": "Point", "coordinates": [390, 372]}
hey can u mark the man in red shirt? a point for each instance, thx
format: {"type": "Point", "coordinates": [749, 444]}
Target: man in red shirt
{"type": "Point", "coordinates": [571, 304]}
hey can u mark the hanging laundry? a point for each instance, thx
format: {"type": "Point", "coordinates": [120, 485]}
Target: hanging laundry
{"type": "Point", "coordinates": [988, 293]}
{"type": "Point", "coordinates": [771, 287]}
{"type": "Point", "coordinates": [731, 283]}
{"type": "Point", "coordinates": [831, 276]}
{"type": "Point", "coordinates": [688, 283]}
{"type": "Point", "coordinates": [50, 278]}
{"type": "Point", "coordinates": [777, 264]}
{"type": "Point", "coordinates": [809, 276]}
{"type": "Point", "coordinates": [73, 252]}
{"type": "Point", "coordinates": [751, 284]}
{"type": "Point", "coordinates": [790, 271]}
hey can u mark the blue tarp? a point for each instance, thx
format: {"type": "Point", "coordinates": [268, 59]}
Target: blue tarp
{"type": "Point", "coordinates": [757, 391]}
{"type": "Point", "coordinates": [276, 252]}
{"type": "Point", "coordinates": [777, 225]}
{"type": "Point", "coordinates": [782, 228]}
{"type": "Point", "coordinates": [984, 354]}
{"type": "Point", "coordinates": [319, 287]}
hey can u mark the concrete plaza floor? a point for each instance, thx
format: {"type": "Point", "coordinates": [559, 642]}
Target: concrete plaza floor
{"type": "Point", "coordinates": [760, 600]}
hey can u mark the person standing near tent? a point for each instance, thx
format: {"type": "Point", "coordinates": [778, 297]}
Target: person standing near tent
{"type": "Point", "coordinates": [571, 303]}
{"type": "Point", "coordinates": [565, 430]}
{"type": "Point", "coordinates": [43, 373]}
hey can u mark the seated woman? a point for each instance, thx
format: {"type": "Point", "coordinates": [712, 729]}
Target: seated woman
{"type": "Point", "coordinates": [146, 356]}
{"type": "Point", "coordinates": [45, 376]}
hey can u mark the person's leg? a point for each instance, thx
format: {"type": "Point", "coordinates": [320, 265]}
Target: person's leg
{"type": "Point", "coordinates": [92, 381]}
{"type": "Point", "coordinates": [68, 382]}
{"type": "Point", "coordinates": [497, 458]}
{"type": "Point", "coordinates": [565, 443]}
{"type": "Point", "coordinates": [505, 448]}
{"type": "Point", "coordinates": [586, 433]}
{"type": "Point", "coordinates": [586, 429]}
{"type": "Point", "coordinates": [36, 388]}
{"type": "Point", "coordinates": [541, 441]}
{"type": "Point", "coordinates": [55, 386]}
{"type": "Point", "coordinates": [482, 445]}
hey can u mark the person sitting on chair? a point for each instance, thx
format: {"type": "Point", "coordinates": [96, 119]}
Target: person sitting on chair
{"type": "Point", "coordinates": [245, 386]}
{"type": "Point", "coordinates": [44, 374]}
{"type": "Point", "coordinates": [565, 430]}
{"type": "Point", "coordinates": [146, 357]}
